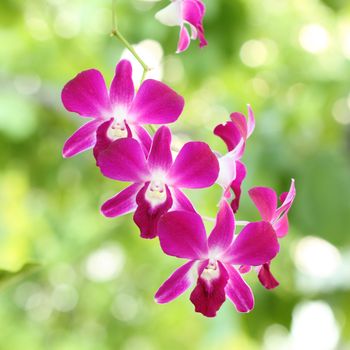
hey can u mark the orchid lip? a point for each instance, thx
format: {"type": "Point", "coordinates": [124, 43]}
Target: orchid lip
{"type": "Point", "coordinates": [156, 192]}
{"type": "Point", "coordinates": [211, 271]}
{"type": "Point", "coordinates": [117, 129]}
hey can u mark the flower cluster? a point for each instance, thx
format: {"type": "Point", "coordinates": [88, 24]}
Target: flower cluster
{"type": "Point", "coordinates": [125, 151]}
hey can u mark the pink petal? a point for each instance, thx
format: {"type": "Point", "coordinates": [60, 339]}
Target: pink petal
{"type": "Point", "coordinates": [180, 201]}
{"type": "Point", "coordinates": [229, 133]}
{"type": "Point", "coordinates": [227, 173]}
{"type": "Point", "coordinates": [155, 103]}
{"type": "Point", "coordinates": [255, 245]}
{"type": "Point", "coordinates": [196, 166]}
{"type": "Point", "coordinates": [160, 158]}
{"type": "Point", "coordinates": [238, 291]}
{"type": "Point", "coordinates": [222, 235]}
{"type": "Point", "coordinates": [87, 95]}
{"type": "Point", "coordinates": [236, 185]}
{"type": "Point", "coordinates": [184, 40]}
{"type": "Point", "coordinates": [265, 199]}
{"type": "Point", "coordinates": [251, 121]}
{"type": "Point", "coordinates": [193, 13]}
{"type": "Point", "coordinates": [288, 201]}
{"type": "Point", "coordinates": [124, 160]}
{"type": "Point", "coordinates": [122, 203]}
{"type": "Point", "coordinates": [281, 226]}
{"type": "Point", "coordinates": [202, 41]}
{"type": "Point", "coordinates": [143, 136]}
{"type": "Point", "coordinates": [122, 87]}
{"type": "Point", "coordinates": [182, 234]}
{"type": "Point", "coordinates": [240, 121]}
{"type": "Point", "coordinates": [209, 294]}
{"type": "Point", "coordinates": [266, 278]}
{"type": "Point", "coordinates": [175, 285]}
{"type": "Point", "coordinates": [146, 216]}
{"type": "Point", "coordinates": [102, 139]}
{"type": "Point", "coordinates": [83, 139]}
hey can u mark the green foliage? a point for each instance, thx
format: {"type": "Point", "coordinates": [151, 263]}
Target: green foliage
{"type": "Point", "coordinates": [9, 277]}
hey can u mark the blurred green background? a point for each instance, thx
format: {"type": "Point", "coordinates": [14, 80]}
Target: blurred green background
{"type": "Point", "coordinates": [289, 59]}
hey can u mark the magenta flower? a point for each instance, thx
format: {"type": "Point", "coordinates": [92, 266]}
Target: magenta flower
{"type": "Point", "coordinates": [213, 260]}
{"type": "Point", "coordinates": [232, 171]}
{"type": "Point", "coordinates": [181, 13]}
{"type": "Point", "coordinates": [265, 199]}
{"type": "Point", "coordinates": [124, 111]}
{"type": "Point", "coordinates": [157, 179]}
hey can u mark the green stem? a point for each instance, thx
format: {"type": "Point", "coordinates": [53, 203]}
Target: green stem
{"type": "Point", "coordinates": [117, 34]}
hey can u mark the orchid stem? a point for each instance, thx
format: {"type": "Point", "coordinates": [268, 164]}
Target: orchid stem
{"type": "Point", "coordinates": [117, 34]}
{"type": "Point", "coordinates": [238, 223]}
{"type": "Point", "coordinates": [242, 223]}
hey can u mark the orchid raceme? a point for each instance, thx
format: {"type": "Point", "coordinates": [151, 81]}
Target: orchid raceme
{"type": "Point", "coordinates": [126, 152]}
{"type": "Point", "coordinates": [213, 260]}
{"type": "Point", "coordinates": [266, 201]}
{"type": "Point", "coordinates": [181, 13]}
{"type": "Point", "coordinates": [157, 179]}
{"type": "Point", "coordinates": [232, 171]}
{"type": "Point", "coordinates": [120, 108]}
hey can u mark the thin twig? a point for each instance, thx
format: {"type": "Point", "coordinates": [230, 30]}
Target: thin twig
{"type": "Point", "coordinates": [117, 34]}
{"type": "Point", "coordinates": [238, 223]}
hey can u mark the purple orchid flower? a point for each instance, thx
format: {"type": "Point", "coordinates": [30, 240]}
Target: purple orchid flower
{"type": "Point", "coordinates": [232, 171]}
{"type": "Point", "coordinates": [157, 179]}
{"type": "Point", "coordinates": [265, 199]}
{"type": "Point", "coordinates": [123, 111]}
{"type": "Point", "coordinates": [213, 260]}
{"type": "Point", "coordinates": [181, 13]}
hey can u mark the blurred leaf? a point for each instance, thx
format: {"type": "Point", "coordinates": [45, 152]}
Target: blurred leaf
{"type": "Point", "coordinates": [9, 277]}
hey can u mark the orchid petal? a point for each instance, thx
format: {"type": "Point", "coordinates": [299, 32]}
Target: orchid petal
{"type": "Point", "coordinates": [255, 245]}
{"type": "Point", "coordinates": [87, 95]}
{"type": "Point", "coordinates": [170, 15]}
{"type": "Point", "coordinates": [266, 278]}
{"type": "Point", "coordinates": [282, 226]}
{"type": "Point", "coordinates": [184, 40]}
{"type": "Point", "coordinates": [83, 139]}
{"type": "Point", "coordinates": [122, 87]}
{"type": "Point", "coordinates": [122, 203]}
{"type": "Point", "coordinates": [251, 121]}
{"type": "Point", "coordinates": [155, 103]}
{"type": "Point", "coordinates": [102, 139]}
{"type": "Point", "coordinates": [193, 12]}
{"type": "Point", "coordinates": [265, 199]}
{"type": "Point", "coordinates": [240, 123]}
{"type": "Point", "coordinates": [182, 234]}
{"type": "Point", "coordinates": [160, 157]}
{"type": "Point", "coordinates": [288, 201]}
{"type": "Point", "coordinates": [236, 185]}
{"type": "Point", "coordinates": [176, 284]}
{"type": "Point", "coordinates": [143, 136]}
{"type": "Point", "coordinates": [222, 235]}
{"type": "Point", "coordinates": [196, 166]}
{"type": "Point", "coordinates": [227, 164]}
{"type": "Point", "coordinates": [124, 160]}
{"type": "Point", "coordinates": [147, 215]}
{"type": "Point", "coordinates": [209, 293]}
{"type": "Point", "coordinates": [238, 291]}
{"type": "Point", "coordinates": [229, 133]}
